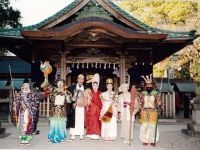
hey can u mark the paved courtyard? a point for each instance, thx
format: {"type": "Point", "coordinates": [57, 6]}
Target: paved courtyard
{"type": "Point", "coordinates": [171, 138]}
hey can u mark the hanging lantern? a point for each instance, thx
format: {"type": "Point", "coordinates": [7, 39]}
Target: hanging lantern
{"type": "Point", "coordinates": [73, 65]}
{"type": "Point", "coordinates": [82, 65]}
{"type": "Point", "coordinates": [92, 65]}
{"type": "Point", "coordinates": [109, 65]}
{"type": "Point", "coordinates": [143, 63]}
{"type": "Point", "coordinates": [87, 65]}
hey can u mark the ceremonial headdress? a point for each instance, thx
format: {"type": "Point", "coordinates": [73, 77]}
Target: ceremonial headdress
{"type": "Point", "coordinates": [25, 80]}
{"type": "Point", "coordinates": [147, 79]}
{"type": "Point", "coordinates": [95, 78]}
{"type": "Point", "coordinates": [109, 81]}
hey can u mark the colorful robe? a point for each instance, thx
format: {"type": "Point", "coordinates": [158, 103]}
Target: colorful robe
{"type": "Point", "coordinates": [148, 103]}
{"type": "Point", "coordinates": [109, 128]}
{"type": "Point", "coordinates": [24, 109]}
{"type": "Point", "coordinates": [93, 124]}
{"type": "Point", "coordinates": [58, 103]}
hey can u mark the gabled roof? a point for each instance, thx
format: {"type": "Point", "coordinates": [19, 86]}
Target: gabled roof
{"type": "Point", "coordinates": [107, 5]}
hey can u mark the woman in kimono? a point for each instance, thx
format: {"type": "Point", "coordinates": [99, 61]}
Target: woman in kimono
{"type": "Point", "coordinates": [93, 124]}
{"type": "Point", "coordinates": [108, 114]}
{"type": "Point", "coordinates": [124, 103]}
{"type": "Point", "coordinates": [58, 99]}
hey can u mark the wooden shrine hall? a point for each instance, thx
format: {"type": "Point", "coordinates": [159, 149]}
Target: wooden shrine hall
{"type": "Point", "coordinates": [95, 36]}
{"type": "Point", "coordinates": [91, 36]}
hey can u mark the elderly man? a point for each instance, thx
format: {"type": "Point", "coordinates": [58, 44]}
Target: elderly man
{"type": "Point", "coordinates": [76, 110]}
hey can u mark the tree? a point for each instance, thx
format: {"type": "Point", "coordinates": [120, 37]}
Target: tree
{"type": "Point", "coordinates": [9, 18]}
{"type": "Point", "coordinates": [177, 15]}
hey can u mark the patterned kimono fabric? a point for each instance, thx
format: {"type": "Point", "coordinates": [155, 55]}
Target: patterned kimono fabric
{"type": "Point", "coordinates": [93, 124]}
{"type": "Point", "coordinates": [24, 107]}
{"type": "Point", "coordinates": [148, 117]}
{"type": "Point", "coordinates": [57, 129]}
{"type": "Point", "coordinates": [109, 128]}
{"type": "Point", "coordinates": [124, 108]}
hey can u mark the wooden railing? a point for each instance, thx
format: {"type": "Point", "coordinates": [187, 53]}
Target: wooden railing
{"type": "Point", "coordinates": [168, 102]}
{"type": "Point", "coordinates": [44, 108]}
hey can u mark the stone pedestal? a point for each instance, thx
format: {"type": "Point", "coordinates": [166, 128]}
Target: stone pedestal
{"type": "Point", "coordinates": [193, 129]}
{"type": "Point", "coordinates": [2, 131]}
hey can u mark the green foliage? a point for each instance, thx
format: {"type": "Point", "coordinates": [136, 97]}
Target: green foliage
{"type": "Point", "coordinates": [160, 11]}
{"type": "Point", "coordinates": [9, 18]}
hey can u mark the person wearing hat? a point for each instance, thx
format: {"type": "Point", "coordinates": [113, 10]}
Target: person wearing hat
{"type": "Point", "coordinates": [76, 110]}
{"type": "Point", "coordinates": [108, 114]}
{"type": "Point", "coordinates": [23, 105]}
{"type": "Point", "coordinates": [93, 124]}
{"type": "Point", "coordinates": [59, 98]}
{"type": "Point", "coordinates": [149, 103]}
{"type": "Point", "coordinates": [124, 102]}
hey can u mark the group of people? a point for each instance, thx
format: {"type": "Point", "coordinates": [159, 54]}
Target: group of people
{"type": "Point", "coordinates": [76, 109]}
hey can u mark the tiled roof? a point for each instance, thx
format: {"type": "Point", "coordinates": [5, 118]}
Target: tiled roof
{"type": "Point", "coordinates": [15, 32]}
{"type": "Point", "coordinates": [17, 65]}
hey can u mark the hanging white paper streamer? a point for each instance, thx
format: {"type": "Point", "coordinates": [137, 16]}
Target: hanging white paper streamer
{"type": "Point", "coordinates": [77, 66]}
{"type": "Point", "coordinates": [105, 66]}
{"type": "Point", "coordinates": [96, 65]}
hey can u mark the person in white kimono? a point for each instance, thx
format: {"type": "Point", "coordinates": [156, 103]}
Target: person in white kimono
{"type": "Point", "coordinates": [108, 114]}
{"type": "Point", "coordinates": [76, 110]}
{"type": "Point", "coordinates": [124, 102]}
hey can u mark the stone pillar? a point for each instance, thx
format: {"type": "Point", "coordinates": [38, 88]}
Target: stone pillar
{"type": "Point", "coordinates": [122, 69]}
{"type": "Point", "coordinates": [63, 66]}
{"type": "Point", "coordinates": [193, 129]}
{"type": "Point", "coordinates": [2, 131]}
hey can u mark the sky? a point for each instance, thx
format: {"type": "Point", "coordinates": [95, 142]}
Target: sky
{"type": "Point", "coordinates": [35, 11]}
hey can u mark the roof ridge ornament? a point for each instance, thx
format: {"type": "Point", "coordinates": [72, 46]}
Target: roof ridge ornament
{"type": "Point", "coordinates": [93, 9]}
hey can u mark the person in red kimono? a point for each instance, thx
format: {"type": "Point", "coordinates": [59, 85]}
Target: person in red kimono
{"type": "Point", "coordinates": [93, 124]}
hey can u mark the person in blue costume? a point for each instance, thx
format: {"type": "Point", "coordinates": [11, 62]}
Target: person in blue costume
{"type": "Point", "coordinates": [59, 97]}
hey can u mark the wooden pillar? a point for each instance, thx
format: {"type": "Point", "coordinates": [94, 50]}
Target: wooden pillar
{"type": "Point", "coordinates": [63, 66]}
{"type": "Point", "coordinates": [174, 107]}
{"type": "Point", "coordinates": [115, 84]}
{"type": "Point", "coordinates": [122, 69]}
{"type": "Point", "coordinates": [69, 80]}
